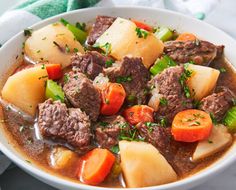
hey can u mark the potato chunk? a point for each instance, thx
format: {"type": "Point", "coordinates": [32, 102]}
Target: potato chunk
{"type": "Point", "coordinates": [61, 158]}
{"type": "Point", "coordinates": [218, 139]}
{"type": "Point", "coordinates": [53, 43]}
{"type": "Point", "coordinates": [202, 81]}
{"type": "Point", "coordinates": [123, 38]}
{"type": "Point", "coordinates": [26, 88]}
{"type": "Point", "coordinates": [143, 165]}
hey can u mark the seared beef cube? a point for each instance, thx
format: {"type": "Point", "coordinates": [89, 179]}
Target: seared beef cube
{"type": "Point", "coordinates": [81, 93]}
{"type": "Point", "coordinates": [91, 63]}
{"type": "Point", "coordinates": [159, 136]}
{"type": "Point", "coordinates": [132, 74]}
{"type": "Point", "coordinates": [71, 125]}
{"type": "Point", "coordinates": [201, 52]}
{"type": "Point", "coordinates": [107, 131]}
{"type": "Point", "coordinates": [101, 24]}
{"type": "Point", "coordinates": [217, 104]}
{"type": "Point", "coordinates": [178, 154]}
{"type": "Point", "coordinates": [168, 84]}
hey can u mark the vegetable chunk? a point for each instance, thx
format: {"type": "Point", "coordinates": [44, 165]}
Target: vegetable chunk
{"type": "Point", "coordinates": [61, 158]}
{"type": "Point", "coordinates": [202, 81]}
{"type": "Point", "coordinates": [123, 40]}
{"type": "Point", "coordinates": [143, 165]}
{"type": "Point", "coordinates": [26, 89]}
{"type": "Point", "coordinates": [96, 165]}
{"type": "Point", "coordinates": [191, 125]}
{"type": "Point", "coordinates": [218, 139]}
{"type": "Point", "coordinates": [53, 43]}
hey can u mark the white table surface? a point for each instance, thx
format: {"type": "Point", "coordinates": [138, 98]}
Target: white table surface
{"type": "Point", "coordinates": [16, 179]}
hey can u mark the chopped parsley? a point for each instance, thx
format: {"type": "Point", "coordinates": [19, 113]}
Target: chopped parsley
{"type": "Point", "coordinates": [28, 32]}
{"type": "Point", "coordinates": [141, 33]}
{"type": "Point", "coordinates": [183, 78]}
{"type": "Point", "coordinates": [67, 49]}
{"type": "Point", "coordinates": [66, 78]}
{"type": "Point", "coordinates": [163, 122]}
{"type": "Point", "coordinates": [196, 104]}
{"type": "Point", "coordinates": [107, 101]}
{"type": "Point", "coordinates": [131, 98]}
{"type": "Point", "coordinates": [129, 133]}
{"type": "Point", "coordinates": [121, 79]}
{"type": "Point", "coordinates": [103, 123]}
{"type": "Point", "coordinates": [222, 70]}
{"type": "Point", "coordinates": [115, 149]}
{"type": "Point", "coordinates": [38, 51]}
{"type": "Point", "coordinates": [107, 47]}
{"type": "Point", "coordinates": [163, 101]}
{"type": "Point", "coordinates": [76, 50]}
{"type": "Point", "coordinates": [42, 77]}
{"type": "Point", "coordinates": [81, 26]}
{"type": "Point", "coordinates": [210, 141]}
{"type": "Point", "coordinates": [214, 121]}
{"type": "Point", "coordinates": [151, 126]}
{"type": "Point", "coordinates": [109, 63]}
{"type": "Point", "coordinates": [44, 38]}
{"type": "Point", "coordinates": [43, 66]}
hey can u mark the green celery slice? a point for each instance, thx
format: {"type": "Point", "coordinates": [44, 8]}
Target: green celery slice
{"type": "Point", "coordinates": [80, 35]}
{"type": "Point", "coordinates": [54, 91]}
{"type": "Point", "coordinates": [162, 64]}
{"type": "Point", "coordinates": [230, 119]}
{"type": "Point", "coordinates": [164, 33]}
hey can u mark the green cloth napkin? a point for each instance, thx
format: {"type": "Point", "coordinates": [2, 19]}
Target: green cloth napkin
{"type": "Point", "coordinates": [29, 12]}
{"type": "Point", "coordinates": [47, 8]}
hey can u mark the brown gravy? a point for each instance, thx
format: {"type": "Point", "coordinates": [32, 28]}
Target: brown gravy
{"type": "Point", "coordinates": [23, 135]}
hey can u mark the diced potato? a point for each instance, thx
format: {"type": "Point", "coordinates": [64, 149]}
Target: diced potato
{"type": "Point", "coordinates": [26, 88]}
{"type": "Point", "coordinates": [202, 81]}
{"type": "Point", "coordinates": [61, 158]}
{"type": "Point", "coordinates": [125, 41]}
{"type": "Point", "coordinates": [143, 165]}
{"type": "Point", "coordinates": [218, 139]}
{"type": "Point", "coordinates": [43, 45]}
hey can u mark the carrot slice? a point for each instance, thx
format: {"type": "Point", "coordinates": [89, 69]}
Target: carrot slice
{"type": "Point", "coordinates": [191, 125]}
{"type": "Point", "coordinates": [138, 113]}
{"type": "Point", "coordinates": [96, 165]}
{"type": "Point", "coordinates": [142, 25]}
{"type": "Point", "coordinates": [186, 37]}
{"type": "Point", "coordinates": [113, 96]}
{"type": "Point", "coordinates": [54, 71]}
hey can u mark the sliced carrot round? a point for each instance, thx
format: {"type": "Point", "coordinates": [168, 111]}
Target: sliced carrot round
{"type": "Point", "coordinates": [191, 125]}
{"type": "Point", "coordinates": [138, 113]}
{"type": "Point", "coordinates": [186, 37]}
{"type": "Point", "coordinates": [113, 96]}
{"type": "Point", "coordinates": [96, 165]}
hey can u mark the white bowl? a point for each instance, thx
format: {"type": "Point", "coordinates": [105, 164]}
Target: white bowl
{"type": "Point", "coordinates": [173, 20]}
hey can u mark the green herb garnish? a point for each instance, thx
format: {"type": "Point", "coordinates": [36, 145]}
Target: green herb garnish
{"type": "Point", "coordinates": [121, 79]}
{"type": "Point", "coordinates": [28, 32]}
{"type": "Point", "coordinates": [163, 101]}
{"type": "Point", "coordinates": [141, 33]}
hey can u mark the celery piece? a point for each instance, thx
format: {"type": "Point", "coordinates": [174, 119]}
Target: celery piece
{"type": "Point", "coordinates": [54, 91]}
{"type": "Point", "coordinates": [162, 64]}
{"type": "Point", "coordinates": [230, 119]}
{"type": "Point", "coordinates": [164, 33]}
{"type": "Point", "coordinates": [80, 35]}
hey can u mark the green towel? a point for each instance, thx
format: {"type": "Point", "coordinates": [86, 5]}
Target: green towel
{"type": "Point", "coordinates": [47, 8]}
{"type": "Point", "coordinates": [28, 12]}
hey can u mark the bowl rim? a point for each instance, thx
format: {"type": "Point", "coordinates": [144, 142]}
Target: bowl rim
{"type": "Point", "coordinates": [43, 175]}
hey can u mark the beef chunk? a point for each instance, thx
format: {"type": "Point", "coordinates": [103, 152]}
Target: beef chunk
{"type": "Point", "coordinates": [217, 103]}
{"type": "Point", "coordinates": [107, 131]}
{"type": "Point", "coordinates": [101, 24]}
{"type": "Point", "coordinates": [170, 88]}
{"type": "Point", "coordinates": [91, 63]}
{"type": "Point", "coordinates": [178, 154]}
{"type": "Point", "coordinates": [201, 52]}
{"type": "Point", "coordinates": [81, 93]}
{"type": "Point", "coordinates": [71, 125]}
{"type": "Point", "coordinates": [132, 74]}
